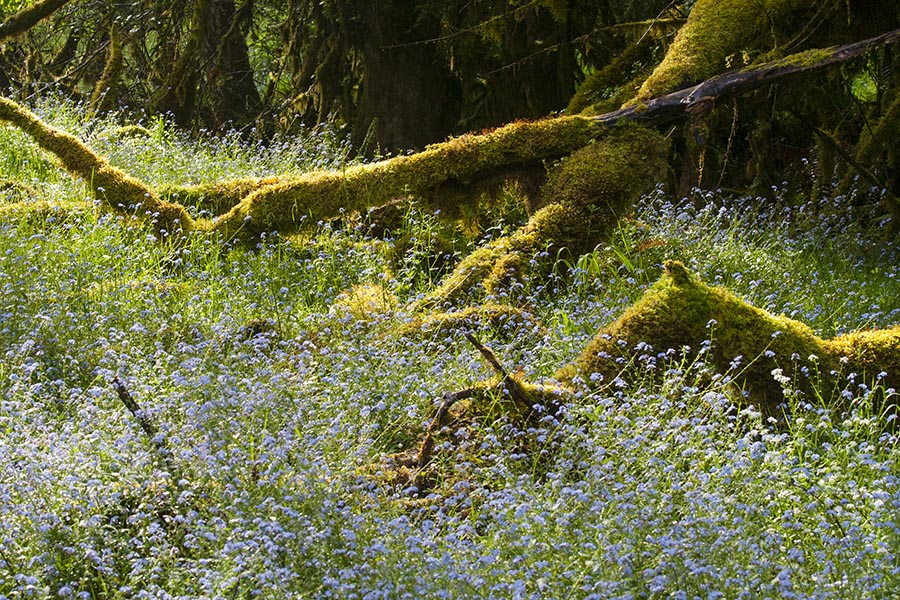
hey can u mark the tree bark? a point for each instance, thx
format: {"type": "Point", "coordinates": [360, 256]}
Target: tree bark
{"type": "Point", "coordinates": [406, 93]}
{"type": "Point", "coordinates": [698, 100]}
{"type": "Point", "coordinates": [232, 89]}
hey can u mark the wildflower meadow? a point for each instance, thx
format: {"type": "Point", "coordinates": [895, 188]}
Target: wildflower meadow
{"type": "Point", "coordinates": [269, 385]}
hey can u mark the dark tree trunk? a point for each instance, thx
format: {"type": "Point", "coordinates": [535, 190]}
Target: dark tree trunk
{"type": "Point", "coordinates": [234, 98]}
{"type": "Point", "coordinates": [406, 92]}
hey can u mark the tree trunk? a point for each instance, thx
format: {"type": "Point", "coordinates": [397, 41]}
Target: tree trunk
{"type": "Point", "coordinates": [178, 93]}
{"type": "Point", "coordinates": [407, 95]}
{"type": "Point", "coordinates": [230, 83]}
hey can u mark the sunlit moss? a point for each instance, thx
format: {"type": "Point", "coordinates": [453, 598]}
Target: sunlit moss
{"type": "Point", "coordinates": [500, 317]}
{"type": "Point", "coordinates": [103, 97]}
{"type": "Point", "coordinates": [683, 314]}
{"type": "Point", "coordinates": [286, 206]}
{"type": "Point", "coordinates": [216, 198]}
{"type": "Point", "coordinates": [118, 191]}
{"type": "Point", "coordinates": [715, 30]}
{"type": "Point", "coordinates": [582, 200]}
{"type": "Point", "coordinates": [365, 302]}
{"type": "Point", "coordinates": [12, 191]}
{"type": "Point", "coordinates": [126, 132]}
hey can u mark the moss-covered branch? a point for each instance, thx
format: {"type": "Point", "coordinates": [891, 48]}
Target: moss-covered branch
{"type": "Point", "coordinates": [582, 200]}
{"type": "Point", "coordinates": [285, 206]}
{"type": "Point", "coordinates": [698, 99]}
{"type": "Point", "coordinates": [27, 18]}
{"type": "Point", "coordinates": [715, 30]}
{"type": "Point", "coordinates": [103, 97]}
{"type": "Point", "coordinates": [120, 192]}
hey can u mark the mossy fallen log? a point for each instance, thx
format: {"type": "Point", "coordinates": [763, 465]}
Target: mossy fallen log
{"type": "Point", "coordinates": [216, 197]}
{"type": "Point", "coordinates": [682, 314]}
{"type": "Point", "coordinates": [679, 323]}
{"type": "Point", "coordinates": [120, 192]}
{"type": "Point", "coordinates": [287, 206]}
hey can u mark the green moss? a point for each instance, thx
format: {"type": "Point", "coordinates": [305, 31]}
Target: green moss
{"type": "Point", "coordinates": [218, 197]}
{"type": "Point", "coordinates": [364, 302]}
{"type": "Point", "coordinates": [103, 97]}
{"type": "Point", "coordinates": [681, 313]}
{"type": "Point", "coordinates": [43, 213]}
{"type": "Point", "coordinates": [126, 132]}
{"type": "Point", "coordinates": [118, 191]}
{"type": "Point", "coordinates": [286, 206]}
{"type": "Point", "coordinates": [883, 136]}
{"type": "Point", "coordinates": [500, 317]}
{"type": "Point", "coordinates": [582, 200]}
{"type": "Point", "coordinates": [715, 30]}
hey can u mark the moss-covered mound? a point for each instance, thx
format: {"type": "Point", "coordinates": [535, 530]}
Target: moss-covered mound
{"type": "Point", "coordinates": [683, 314]}
{"type": "Point", "coordinates": [12, 191]}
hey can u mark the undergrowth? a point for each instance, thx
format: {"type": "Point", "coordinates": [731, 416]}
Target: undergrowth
{"type": "Point", "coordinates": [276, 406]}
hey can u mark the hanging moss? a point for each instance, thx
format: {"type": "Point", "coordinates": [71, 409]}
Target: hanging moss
{"type": "Point", "coordinates": [103, 97]}
{"type": "Point", "coordinates": [683, 314]}
{"type": "Point", "coordinates": [884, 136]}
{"type": "Point", "coordinates": [715, 30]}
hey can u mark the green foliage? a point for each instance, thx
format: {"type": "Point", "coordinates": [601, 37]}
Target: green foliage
{"type": "Point", "coordinates": [281, 375]}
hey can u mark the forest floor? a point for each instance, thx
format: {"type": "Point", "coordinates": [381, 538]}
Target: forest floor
{"type": "Point", "coordinates": [274, 383]}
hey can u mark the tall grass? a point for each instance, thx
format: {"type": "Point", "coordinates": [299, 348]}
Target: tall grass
{"type": "Point", "coordinates": [277, 409]}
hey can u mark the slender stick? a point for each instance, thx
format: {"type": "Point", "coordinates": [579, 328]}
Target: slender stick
{"type": "Point", "coordinates": [148, 427]}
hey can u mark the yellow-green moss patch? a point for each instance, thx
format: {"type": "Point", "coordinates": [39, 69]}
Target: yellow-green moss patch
{"type": "Point", "coordinates": [682, 314]}
{"type": "Point", "coordinates": [715, 30]}
{"type": "Point", "coordinates": [216, 198]}
{"type": "Point", "coordinates": [582, 200]}
{"type": "Point", "coordinates": [364, 302]}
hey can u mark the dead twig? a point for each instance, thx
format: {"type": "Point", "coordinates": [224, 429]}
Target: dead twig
{"type": "Point", "coordinates": [515, 389]}
{"type": "Point", "coordinates": [148, 427]}
{"type": "Point", "coordinates": [426, 449]}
